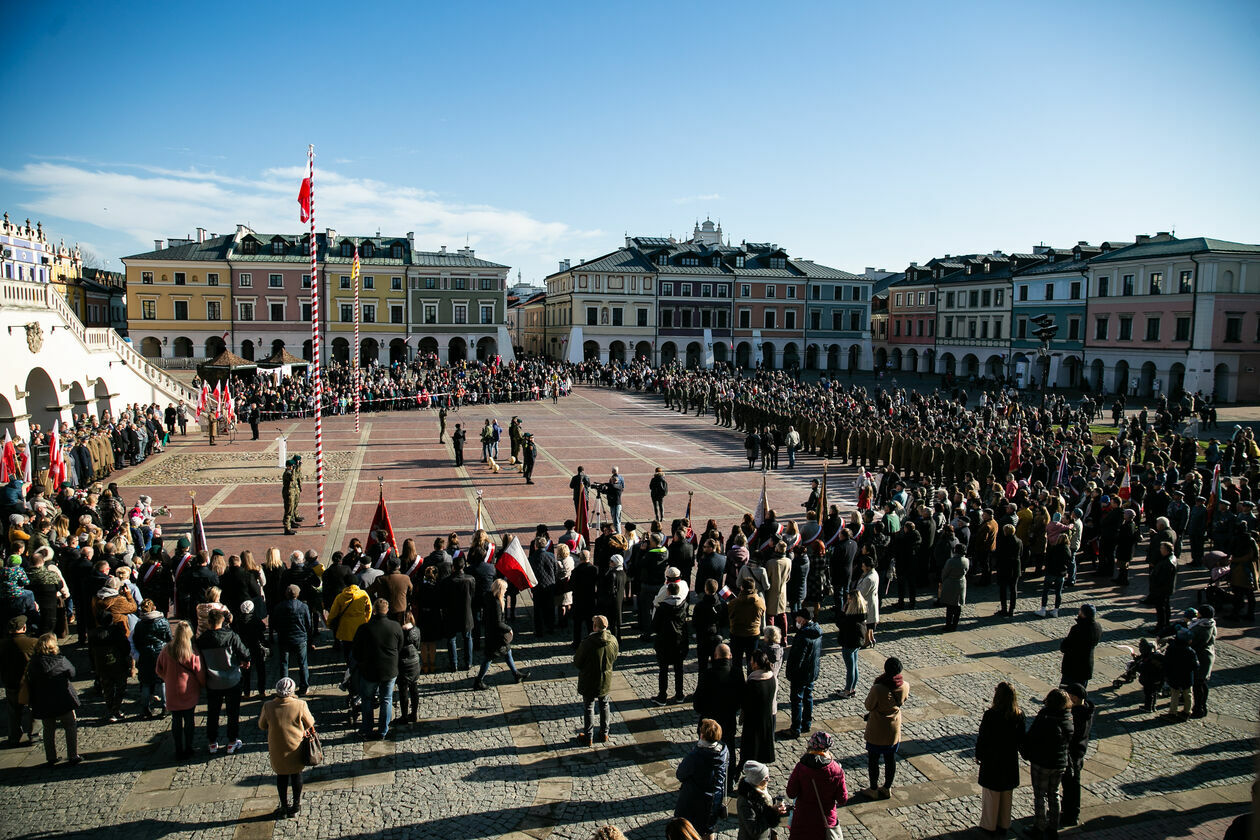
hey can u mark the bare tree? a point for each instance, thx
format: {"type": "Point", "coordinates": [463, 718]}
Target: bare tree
{"type": "Point", "coordinates": [92, 260]}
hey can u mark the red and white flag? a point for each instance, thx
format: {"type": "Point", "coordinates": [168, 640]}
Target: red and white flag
{"type": "Point", "coordinates": [9, 461]}
{"type": "Point", "coordinates": [380, 522]}
{"type": "Point", "coordinates": [1125, 483]}
{"type": "Point", "coordinates": [304, 198]}
{"type": "Point", "coordinates": [198, 531]}
{"type": "Point", "coordinates": [231, 406]}
{"type": "Point", "coordinates": [218, 402]}
{"type": "Point", "coordinates": [515, 566]}
{"type": "Point", "coordinates": [57, 471]}
{"type": "Point", "coordinates": [201, 400]}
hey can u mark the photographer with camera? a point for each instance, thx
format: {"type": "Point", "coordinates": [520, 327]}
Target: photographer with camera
{"type": "Point", "coordinates": [611, 491]}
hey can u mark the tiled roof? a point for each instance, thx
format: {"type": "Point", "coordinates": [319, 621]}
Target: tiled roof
{"type": "Point", "coordinates": [436, 259]}
{"type": "Point", "coordinates": [1059, 266]}
{"type": "Point", "coordinates": [824, 272]}
{"type": "Point", "coordinates": [1176, 247]}
{"type": "Point", "coordinates": [215, 249]}
{"type": "Point", "coordinates": [623, 259]}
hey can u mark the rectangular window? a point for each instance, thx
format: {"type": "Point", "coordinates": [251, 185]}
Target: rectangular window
{"type": "Point", "coordinates": [896, 329]}
{"type": "Point", "coordinates": [921, 298]}
{"type": "Point", "coordinates": [949, 300]}
{"type": "Point", "coordinates": [1152, 329]}
{"type": "Point", "coordinates": [1049, 291]}
{"type": "Point", "coordinates": [817, 292]}
{"type": "Point", "coordinates": [931, 329]}
{"type": "Point", "coordinates": [306, 281]}
{"type": "Point", "coordinates": [369, 313]}
{"type": "Point", "coordinates": [1074, 329]}
{"type": "Point", "coordinates": [617, 316]}
{"type": "Point", "coordinates": [275, 281]}
{"type": "Point", "coordinates": [1183, 329]}
{"type": "Point", "coordinates": [686, 317]}
{"type": "Point", "coordinates": [247, 280]}
{"type": "Point", "coordinates": [1126, 285]}
{"type": "Point", "coordinates": [949, 327]}
{"type": "Point", "coordinates": [706, 318]}
{"type": "Point", "coordinates": [986, 298]}
{"type": "Point", "coordinates": [684, 289]}
{"type": "Point", "coordinates": [1100, 328]}
{"type": "Point", "coordinates": [459, 283]}
{"type": "Point", "coordinates": [181, 310]}
{"type": "Point", "coordinates": [642, 317]}
{"type": "Point", "coordinates": [277, 311]}
{"type": "Point", "coordinates": [487, 314]}
{"type": "Point", "coordinates": [180, 278]}
{"type": "Point", "coordinates": [1185, 283]}
{"type": "Point", "coordinates": [706, 290]}
{"type": "Point", "coordinates": [487, 284]}
{"type": "Point", "coordinates": [592, 316]}
{"type": "Point", "coordinates": [146, 277]}
{"type": "Point", "coordinates": [1126, 328]}
{"type": "Point", "coordinates": [306, 312]}
{"type": "Point", "coordinates": [214, 310]}
{"type": "Point", "coordinates": [148, 310]}
{"type": "Point", "coordinates": [1103, 283]}
{"type": "Point", "coordinates": [347, 313]}
{"type": "Point", "coordinates": [246, 311]}
{"type": "Point", "coordinates": [789, 319]}
{"type": "Point", "coordinates": [667, 289]}
{"type": "Point", "coordinates": [771, 291]}
{"type": "Point", "coordinates": [369, 282]}
{"type": "Point", "coordinates": [1157, 282]}
{"type": "Point", "coordinates": [745, 319]}
{"type": "Point", "coordinates": [791, 292]}
{"type": "Point", "coordinates": [919, 327]}
{"type": "Point", "coordinates": [745, 290]}
{"type": "Point", "coordinates": [855, 320]}
{"type": "Point", "coordinates": [1233, 328]}
{"type": "Point", "coordinates": [971, 328]}
{"type": "Point", "coordinates": [212, 279]}
{"type": "Point", "coordinates": [1023, 292]}
{"type": "Point", "coordinates": [721, 319]}
{"type": "Point", "coordinates": [1021, 327]}
{"type": "Point", "coordinates": [999, 297]}
{"type": "Point", "coordinates": [395, 284]}
{"type": "Point", "coordinates": [898, 296]}
{"type": "Point", "coordinates": [345, 281]}
{"type": "Point", "coordinates": [395, 314]}
{"type": "Point", "coordinates": [430, 313]}
{"type": "Point", "coordinates": [430, 282]}
{"type": "Point", "coordinates": [984, 329]}
{"type": "Point", "coordinates": [973, 298]}
{"type": "Point", "coordinates": [997, 328]}
{"type": "Point", "coordinates": [769, 320]}
{"type": "Point", "coordinates": [1074, 292]}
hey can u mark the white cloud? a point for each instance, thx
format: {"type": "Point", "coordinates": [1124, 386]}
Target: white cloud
{"type": "Point", "coordinates": [144, 203]}
{"type": "Point", "coordinates": [692, 199]}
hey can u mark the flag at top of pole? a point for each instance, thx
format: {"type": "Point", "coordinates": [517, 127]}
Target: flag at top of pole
{"type": "Point", "coordinates": [306, 205]}
{"type": "Point", "coordinates": [380, 522]}
{"type": "Point", "coordinates": [355, 271]}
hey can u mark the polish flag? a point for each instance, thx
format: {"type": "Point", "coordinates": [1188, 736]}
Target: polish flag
{"type": "Point", "coordinates": [201, 400]}
{"type": "Point", "coordinates": [57, 471]}
{"type": "Point", "coordinates": [304, 199]}
{"type": "Point", "coordinates": [218, 402]}
{"type": "Point", "coordinates": [515, 566]}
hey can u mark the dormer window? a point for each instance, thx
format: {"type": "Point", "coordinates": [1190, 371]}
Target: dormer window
{"type": "Point", "coordinates": [277, 247]}
{"type": "Point", "coordinates": [249, 246]}
{"type": "Point", "coordinates": [969, 269]}
{"type": "Point", "coordinates": [347, 249]}
{"type": "Point", "coordinates": [987, 266]}
{"type": "Point", "coordinates": [396, 251]}
{"type": "Point", "coordinates": [778, 262]}
{"type": "Point", "coordinates": [662, 259]}
{"type": "Point", "coordinates": [368, 250]}
{"type": "Point", "coordinates": [739, 261]}
{"type": "Point", "coordinates": [690, 261]}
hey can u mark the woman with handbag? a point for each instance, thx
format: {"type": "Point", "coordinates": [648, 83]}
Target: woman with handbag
{"type": "Point", "coordinates": [997, 752]}
{"type": "Point", "coordinates": [818, 787]}
{"type": "Point", "coordinates": [179, 666]}
{"type": "Point", "coordinates": [702, 794]}
{"type": "Point", "coordinates": [498, 635]}
{"type": "Point", "coordinates": [288, 723]}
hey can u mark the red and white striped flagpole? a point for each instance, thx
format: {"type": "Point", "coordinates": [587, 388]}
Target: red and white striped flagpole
{"type": "Point", "coordinates": [356, 356]}
{"type": "Point", "coordinates": [319, 382]}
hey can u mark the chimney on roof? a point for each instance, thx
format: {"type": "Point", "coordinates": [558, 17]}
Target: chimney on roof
{"type": "Point", "coordinates": [1142, 237]}
{"type": "Point", "coordinates": [157, 244]}
{"type": "Point", "coordinates": [914, 265]}
{"type": "Point", "coordinates": [564, 265]}
{"type": "Point", "coordinates": [241, 229]}
{"type": "Point", "coordinates": [869, 269]}
{"type": "Point", "coordinates": [1164, 235]}
{"type": "Point", "coordinates": [442, 250]}
{"type": "Point", "coordinates": [330, 235]}
{"type": "Point", "coordinates": [466, 251]}
{"type": "Point", "coordinates": [411, 239]}
{"type": "Point", "coordinates": [1041, 249]}
{"type": "Point", "coordinates": [201, 234]}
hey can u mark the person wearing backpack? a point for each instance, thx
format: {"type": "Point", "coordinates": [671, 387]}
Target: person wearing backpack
{"type": "Point", "coordinates": [151, 635]}
{"type": "Point", "coordinates": [1046, 747]}
{"type": "Point", "coordinates": [225, 657]}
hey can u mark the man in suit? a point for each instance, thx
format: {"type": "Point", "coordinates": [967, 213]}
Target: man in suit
{"type": "Point", "coordinates": [457, 440]}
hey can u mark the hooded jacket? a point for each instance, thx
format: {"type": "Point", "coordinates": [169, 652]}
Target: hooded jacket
{"type": "Point", "coordinates": [802, 660]}
{"type": "Point", "coordinates": [594, 661]}
{"type": "Point", "coordinates": [1046, 744]}
{"type": "Point", "coordinates": [817, 784]}
{"type": "Point", "coordinates": [50, 683]}
{"type": "Point", "coordinates": [670, 633]}
{"type": "Point", "coordinates": [351, 609]}
{"type": "Point", "coordinates": [1078, 648]}
{"type": "Point", "coordinates": [884, 702]}
{"type": "Point", "coordinates": [223, 652]}
{"type": "Point", "coordinates": [702, 794]}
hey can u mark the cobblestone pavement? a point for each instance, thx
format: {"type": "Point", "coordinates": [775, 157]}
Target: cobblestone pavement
{"type": "Point", "coordinates": [505, 762]}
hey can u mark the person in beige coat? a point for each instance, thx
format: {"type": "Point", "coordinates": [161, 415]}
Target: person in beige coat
{"type": "Point", "coordinates": [778, 570]}
{"type": "Point", "coordinates": [883, 725]}
{"type": "Point", "coordinates": [286, 720]}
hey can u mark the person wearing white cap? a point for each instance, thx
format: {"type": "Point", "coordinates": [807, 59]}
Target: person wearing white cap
{"type": "Point", "coordinates": [758, 814]}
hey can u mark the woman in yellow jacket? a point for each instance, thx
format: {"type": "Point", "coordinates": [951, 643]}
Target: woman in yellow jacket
{"type": "Point", "coordinates": [351, 609]}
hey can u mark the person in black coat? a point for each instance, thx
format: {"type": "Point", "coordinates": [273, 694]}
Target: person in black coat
{"type": "Point", "coordinates": [428, 607]}
{"type": "Point", "coordinates": [376, 646]}
{"type": "Point", "coordinates": [543, 593]}
{"type": "Point", "coordinates": [584, 584]}
{"type": "Point", "coordinates": [291, 622]}
{"type": "Point", "coordinates": [483, 574]}
{"type": "Point", "coordinates": [710, 565]}
{"type": "Point", "coordinates": [908, 549]}
{"type": "Point", "coordinates": [1046, 748]}
{"type": "Point", "coordinates": [707, 619]}
{"type": "Point", "coordinates": [409, 673]}
{"type": "Point", "coordinates": [338, 575]}
{"type": "Point", "coordinates": [1082, 722]}
{"type": "Point", "coordinates": [801, 669]}
{"type": "Point", "coordinates": [249, 626]}
{"type": "Point", "coordinates": [997, 752]}
{"type": "Point", "coordinates": [498, 635]}
{"type": "Point", "coordinates": [1078, 647]}
{"type": "Point", "coordinates": [1006, 563]}
{"type": "Point", "coordinates": [670, 641]}
{"type": "Point", "coordinates": [612, 589]}
{"type": "Point", "coordinates": [720, 697]}
{"type": "Point", "coordinates": [798, 580]}
{"type": "Point", "coordinates": [456, 593]}
{"type": "Point", "coordinates": [53, 698]}
{"type": "Point", "coordinates": [457, 442]}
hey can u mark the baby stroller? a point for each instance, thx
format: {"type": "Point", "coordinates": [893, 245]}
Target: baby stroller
{"type": "Point", "coordinates": [1134, 665]}
{"type": "Point", "coordinates": [350, 685]}
{"type": "Point", "coordinates": [1217, 591]}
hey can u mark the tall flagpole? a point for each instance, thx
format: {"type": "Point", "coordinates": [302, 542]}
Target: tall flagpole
{"type": "Point", "coordinates": [319, 381]}
{"type": "Point", "coordinates": [356, 356]}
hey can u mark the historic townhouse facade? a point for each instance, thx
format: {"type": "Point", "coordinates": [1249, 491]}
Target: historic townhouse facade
{"type": "Point", "coordinates": [251, 292]}
{"type": "Point", "coordinates": [604, 308]}
{"type": "Point", "coordinates": [1167, 313]}
{"type": "Point", "coordinates": [837, 318]}
{"type": "Point", "coordinates": [533, 324]}
{"type": "Point", "coordinates": [458, 306]}
{"type": "Point", "coordinates": [974, 314]}
{"type": "Point", "coordinates": [911, 323]}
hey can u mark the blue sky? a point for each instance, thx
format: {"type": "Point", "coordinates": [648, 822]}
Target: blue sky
{"type": "Point", "coordinates": [851, 133]}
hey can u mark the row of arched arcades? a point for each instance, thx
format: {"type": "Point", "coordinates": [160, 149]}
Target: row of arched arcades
{"type": "Point", "coordinates": [48, 402]}
{"type": "Point", "coordinates": [370, 349]}
{"type": "Point", "coordinates": [692, 355]}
